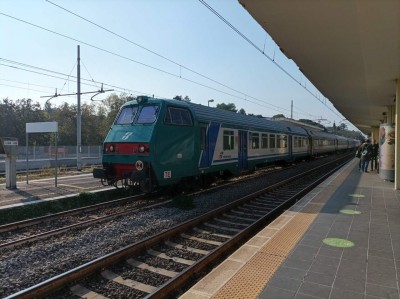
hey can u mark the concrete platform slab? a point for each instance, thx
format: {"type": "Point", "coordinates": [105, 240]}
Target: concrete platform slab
{"type": "Point", "coordinates": [342, 240]}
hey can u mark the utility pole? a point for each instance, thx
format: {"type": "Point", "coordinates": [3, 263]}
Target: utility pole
{"type": "Point", "coordinates": [291, 110]}
{"type": "Point", "coordinates": [79, 112]}
{"type": "Point", "coordinates": [79, 116]}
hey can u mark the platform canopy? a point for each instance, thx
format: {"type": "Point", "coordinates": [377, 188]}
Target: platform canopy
{"type": "Point", "coordinates": [349, 50]}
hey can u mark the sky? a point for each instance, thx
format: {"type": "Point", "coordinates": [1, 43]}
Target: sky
{"type": "Point", "coordinates": [151, 47]}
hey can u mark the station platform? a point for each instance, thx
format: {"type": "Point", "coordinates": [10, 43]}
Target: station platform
{"type": "Point", "coordinates": [342, 240]}
{"type": "Point", "coordinates": [39, 190]}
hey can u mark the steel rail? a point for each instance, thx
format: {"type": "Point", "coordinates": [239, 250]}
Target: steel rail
{"type": "Point", "coordinates": [53, 284]}
{"type": "Point", "coordinates": [178, 282]}
{"type": "Point", "coordinates": [37, 220]}
{"type": "Point", "coordinates": [79, 224]}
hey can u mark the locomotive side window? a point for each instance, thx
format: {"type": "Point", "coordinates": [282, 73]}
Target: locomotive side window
{"type": "Point", "coordinates": [255, 140]}
{"type": "Point", "coordinates": [148, 114]}
{"type": "Point", "coordinates": [264, 140]}
{"type": "Point", "coordinates": [178, 116]}
{"type": "Point", "coordinates": [127, 115]}
{"type": "Point", "coordinates": [272, 141]}
{"type": "Point", "coordinates": [229, 140]}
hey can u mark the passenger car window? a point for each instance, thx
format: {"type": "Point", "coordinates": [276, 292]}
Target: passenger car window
{"type": "Point", "coordinates": [148, 114]}
{"type": "Point", "coordinates": [178, 116]}
{"type": "Point", "coordinates": [127, 115]}
{"type": "Point", "coordinates": [229, 140]}
{"type": "Point", "coordinates": [264, 140]}
{"type": "Point", "coordinates": [272, 141]}
{"type": "Point", "coordinates": [255, 140]}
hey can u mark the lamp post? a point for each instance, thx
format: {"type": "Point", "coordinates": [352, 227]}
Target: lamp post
{"type": "Point", "coordinates": [209, 102]}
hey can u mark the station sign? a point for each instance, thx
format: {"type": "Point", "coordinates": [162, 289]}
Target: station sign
{"type": "Point", "coordinates": [8, 145]}
{"type": "Point", "coordinates": [42, 127]}
{"type": "Point", "coordinates": [10, 142]}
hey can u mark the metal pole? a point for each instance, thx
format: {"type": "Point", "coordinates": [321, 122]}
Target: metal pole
{"type": "Point", "coordinates": [27, 160]}
{"type": "Point", "coordinates": [78, 118]}
{"type": "Point", "coordinates": [55, 179]}
{"type": "Point", "coordinates": [291, 110]}
{"type": "Point", "coordinates": [397, 145]}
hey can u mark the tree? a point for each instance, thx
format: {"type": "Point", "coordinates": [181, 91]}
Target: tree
{"type": "Point", "coordinates": [229, 107]}
{"type": "Point", "coordinates": [242, 111]}
{"type": "Point", "coordinates": [342, 127]}
{"type": "Point", "coordinates": [65, 115]}
{"type": "Point", "coordinates": [179, 98]}
{"type": "Point", "coordinates": [278, 116]}
{"type": "Point", "coordinates": [15, 115]}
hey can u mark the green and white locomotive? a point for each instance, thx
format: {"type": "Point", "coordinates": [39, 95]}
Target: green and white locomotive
{"type": "Point", "coordinates": [156, 143]}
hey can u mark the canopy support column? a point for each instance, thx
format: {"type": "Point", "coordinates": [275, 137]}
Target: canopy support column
{"type": "Point", "coordinates": [397, 144]}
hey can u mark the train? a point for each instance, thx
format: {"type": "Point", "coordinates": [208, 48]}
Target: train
{"type": "Point", "coordinates": [155, 143]}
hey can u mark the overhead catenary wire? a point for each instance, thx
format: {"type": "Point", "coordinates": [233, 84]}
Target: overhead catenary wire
{"type": "Point", "coordinates": [263, 53]}
{"type": "Point", "coordinates": [181, 66]}
{"type": "Point", "coordinates": [271, 106]}
{"type": "Point", "coordinates": [122, 89]}
{"type": "Point", "coordinates": [195, 72]}
{"type": "Point", "coordinates": [59, 76]}
{"type": "Point", "coordinates": [170, 60]}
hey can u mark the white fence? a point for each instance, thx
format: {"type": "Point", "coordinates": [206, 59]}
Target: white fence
{"type": "Point", "coordinates": [44, 156]}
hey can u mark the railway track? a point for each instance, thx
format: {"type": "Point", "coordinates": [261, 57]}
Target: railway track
{"type": "Point", "coordinates": [18, 233]}
{"type": "Point", "coordinates": [162, 265]}
{"type": "Point", "coordinates": [21, 232]}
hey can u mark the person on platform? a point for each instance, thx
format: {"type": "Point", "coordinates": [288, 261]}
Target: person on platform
{"type": "Point", "coordinates": [374, 156]}
{"type": "Point", "coordinates": [358, 153]}
{"type": "Point", "coordinates": [366, 153]}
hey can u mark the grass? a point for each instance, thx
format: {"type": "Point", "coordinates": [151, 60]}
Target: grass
{"type": "Point", "coordinates": [46, 172]}
{"type": "Point", "coordinates": [60, 205]}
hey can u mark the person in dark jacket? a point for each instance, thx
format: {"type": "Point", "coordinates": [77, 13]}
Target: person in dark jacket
{"type": "Point", "coordinates": [358, 153]}
{"type": "Point", "coordinates": [374, 156]}
{"type": "Point", "coordinates": [366, 153]}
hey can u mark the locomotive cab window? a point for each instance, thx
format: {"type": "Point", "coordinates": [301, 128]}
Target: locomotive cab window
{"type": "Point", "coordinates": [178, 116]}
{"type": "Point", "coordinates": [148, 114]}
{"type": "Point", "coordinates": [126, 115]}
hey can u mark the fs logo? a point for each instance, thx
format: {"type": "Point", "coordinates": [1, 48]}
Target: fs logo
{"type": "Point", "coordinates": [126, 136]}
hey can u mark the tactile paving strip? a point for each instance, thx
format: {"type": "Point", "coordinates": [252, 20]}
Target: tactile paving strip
{"type": "Point", "coordinates": [250, 281]}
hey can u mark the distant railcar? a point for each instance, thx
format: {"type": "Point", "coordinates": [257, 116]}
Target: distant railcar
{"type": "Point", "coordinates": [157, 142]}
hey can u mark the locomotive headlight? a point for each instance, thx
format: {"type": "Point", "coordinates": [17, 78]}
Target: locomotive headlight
{"type": "Point", "coordinates": [111, 148]}
{"type": "Point", "coordinates": [141, 148]}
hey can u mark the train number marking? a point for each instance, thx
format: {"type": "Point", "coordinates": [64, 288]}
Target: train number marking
{"type": "Point", "coordinates": [167, 174]}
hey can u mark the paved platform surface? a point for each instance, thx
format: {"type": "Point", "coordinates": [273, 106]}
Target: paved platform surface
{"type": "Point", "coordinates": [342, 240]}
{"type": "Point", "coordinates": [44, 189]}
